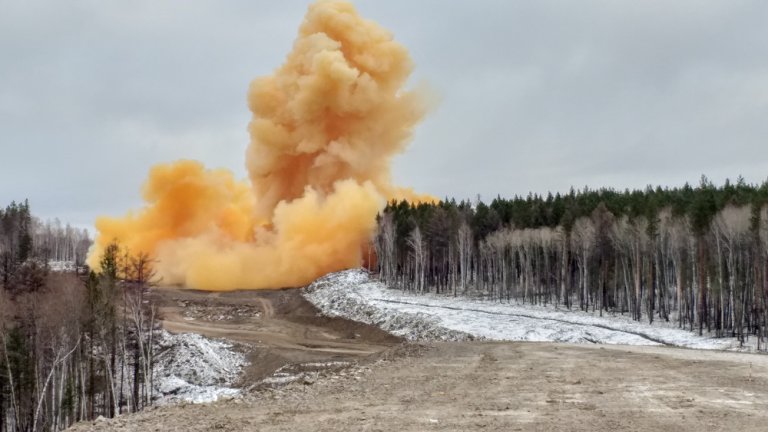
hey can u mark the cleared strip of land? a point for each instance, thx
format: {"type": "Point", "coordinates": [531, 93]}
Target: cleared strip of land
{"type": "Point", "coordinates": [501, 386]}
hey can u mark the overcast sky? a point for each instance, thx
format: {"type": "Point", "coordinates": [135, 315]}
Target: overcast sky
{"type": "Point", "coordinates": [535, 95]}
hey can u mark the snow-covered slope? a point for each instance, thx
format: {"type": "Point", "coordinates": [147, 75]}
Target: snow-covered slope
{"type": "Point", "coordinates": [351, 294]}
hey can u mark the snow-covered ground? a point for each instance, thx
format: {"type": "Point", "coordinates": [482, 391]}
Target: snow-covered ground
{"type": "Point", "coordinates": [192, 368]}
{"type": "Point", "coordinates": [62, 266]}
{"type": "Point", "coordinates": [351, 294]}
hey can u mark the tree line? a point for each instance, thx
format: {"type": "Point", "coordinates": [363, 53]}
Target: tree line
{"type": "Point", "coordinates": [55, 241]}
{"type": "Point", "coordinates": [694, 255]}
{"type": "Point", "coordinates": [73, 345]}
{"type": "Point", "coordinates": [23, 236]}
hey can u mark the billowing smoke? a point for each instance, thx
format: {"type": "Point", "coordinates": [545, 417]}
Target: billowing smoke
{"type": "Point", "coordinates": [324, 130]}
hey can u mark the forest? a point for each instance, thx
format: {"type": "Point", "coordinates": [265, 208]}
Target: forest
{"type": "Point", "coordinates": [694, 256]}
{"type": "Point", "coordinates": [74, 345]}
{"type": "Point", "coordinates": [77, 345]}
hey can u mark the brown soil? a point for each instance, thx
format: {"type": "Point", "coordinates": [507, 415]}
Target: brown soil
{"type": "Point", "coordinates": [275, 327]}
{"type": "Point", "coordinates": [501, 387]}
{"type": "Point", "coordinates": [451, 386]}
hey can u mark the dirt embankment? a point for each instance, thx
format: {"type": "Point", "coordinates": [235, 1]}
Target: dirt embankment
{"type": "Point", "coordinates": [501, 387]}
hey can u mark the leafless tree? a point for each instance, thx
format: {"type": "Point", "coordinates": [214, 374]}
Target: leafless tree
{"type": "Point", "coordinates": [584, 242]}
{"type": "Point", "coordinates": [418, 258]}
{"type": "Point", "coordinates": [464, 248]}
{"type": "Point", "coordinates": [385, 248]}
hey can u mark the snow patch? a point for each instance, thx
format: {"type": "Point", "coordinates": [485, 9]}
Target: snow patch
{"type": "Point", "coordinates": [192, 368]}
{"type": "Point", "coordinates": [62, 266]}
{"type": "Point", "coordinates": [352, 294]}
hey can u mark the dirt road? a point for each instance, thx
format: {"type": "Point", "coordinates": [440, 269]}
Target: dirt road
{"type": "Point", "coordinates": [276, 327]}
{"type": "Point", "coordinates": [449, 386]}
{"type": "Point", "coordinates": [501, 387]}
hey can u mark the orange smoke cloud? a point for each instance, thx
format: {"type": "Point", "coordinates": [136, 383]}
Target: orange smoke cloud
{"type": "Point", "coordinates": [324, 130]}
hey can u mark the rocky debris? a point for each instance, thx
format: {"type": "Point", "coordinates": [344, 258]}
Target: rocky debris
{"type": "Point", "coordinates": [192, 368]}
{"type": "Point", "coordinates": [305, 373]}
{"type": "Point", "coordinates": [202, 311]}
{"type": "Point", "coordinates": [327, 381]}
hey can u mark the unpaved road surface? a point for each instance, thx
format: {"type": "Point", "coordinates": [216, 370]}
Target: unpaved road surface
{"type": "Point", "coordinates": [275, 327]}
{"type": "Point", "coordinates": [500, 387]}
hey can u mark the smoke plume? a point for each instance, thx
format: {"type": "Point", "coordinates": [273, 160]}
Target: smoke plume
{"type": "Point", "coordinates": [325, 127]}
